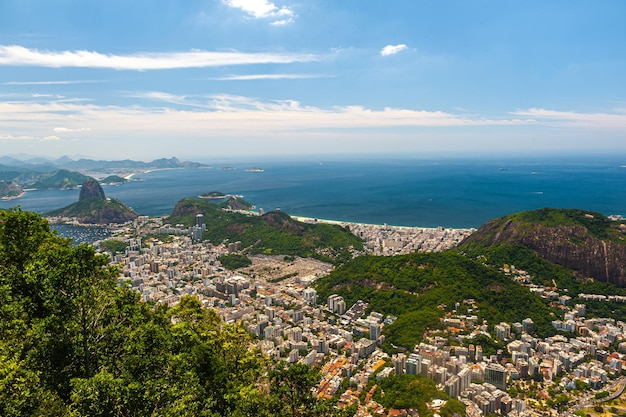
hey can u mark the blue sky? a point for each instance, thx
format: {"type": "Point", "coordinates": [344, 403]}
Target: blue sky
{"type": "Point", "coordinates": [201, 78]}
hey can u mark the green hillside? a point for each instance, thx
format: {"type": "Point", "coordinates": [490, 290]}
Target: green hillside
{"type": "Point", "coordinates": [597, 225]}
{"type": "Point", "coordinates": [586, 242]}
{"type": "Point", "coordinates": [415, 287]}
{"type": "Point", "coordinates": [96, 211]}
{"type": "Point", "coordinates": [113, 180]}
{"type": "Point", "coordinates": [9, 189]}
{"type": "Point", "coordinates": [274, 233]}
{"type": "Point", "coordinates": [544, 272]}
{"type": "Point", "coordinates": [61, 179]}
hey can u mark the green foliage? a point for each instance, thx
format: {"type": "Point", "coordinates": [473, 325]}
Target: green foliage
{"type": "Point", "coordinates": [601, 394]}
{"type": "Point", "coordinates": [597, 224]}
{"type": "Point", "coordinates": [96, 210]}
{"type": "Point", "coordinates": [113, 246]}
{"type": "Point", "coordinates": [113, 179]}
{"type": "Point", "coordinates": [412, 287]}
{"type": "Point", "coordinates": [274, 233]}
{"type": "Point", "coordinates": [414, 391]}
{"type": "Point", "coordinates": [490, 346]}
{"type": "Point", "coordinates": [9, 189]}
{"type": "Point", "coordinates": [61, 179]}
{"type": "Point", "coordinates": [213, 194]}
{"type": "Point", "coordinates": [236, 203]}
{"type": "Point", "coordinates": [544, 272]}
{"type": "Point", "coordinates": [282, 277]}
{"type": "Point", "coordinates": [74, 343]}
{"type": "Point", "coordinates": [234, 261]}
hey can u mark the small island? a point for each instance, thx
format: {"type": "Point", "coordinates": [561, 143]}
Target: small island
{"type": "Point", "coordinates": [113, 180]}
{"type": "Point", "coordinates": [214, 195]}
{"type": "Point", "coordinates": [255, 170]}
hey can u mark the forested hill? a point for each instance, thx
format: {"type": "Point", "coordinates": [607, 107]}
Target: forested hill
{"type": "Point", "coordinates": [74, 343]}
{"type": "Point", "coordinates": [420, 288]}
{"type": "Point", "coordinates": [586, 242]}
{"type": "Point", "coordinates": [93, 207]}
{"type": "Point", "coordinates": [274, 233]}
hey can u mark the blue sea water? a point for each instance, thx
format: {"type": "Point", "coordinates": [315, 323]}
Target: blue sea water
{"type": "Point", "coordinates": [428, 192]}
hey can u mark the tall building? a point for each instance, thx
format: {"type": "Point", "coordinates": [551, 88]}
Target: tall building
{"type": "Point", "coordinates": [529, 325]}
{"type": "Point", "coordinates": [503, 331]}
{"type": "Point", "coordinates": [341, 307]}
{"type": "Point", "coordinates": [496, 374]}
{"type": "Point", "coordinates": [333, 300]}
{"type": "Point", "coordinates": [310, 296]}
{"type": "Point", "coordinates": [399, 363]}
{"type": "Point", "coordinates": [200, 221]}
{"type": "Point", "coordinates": [374, 331]}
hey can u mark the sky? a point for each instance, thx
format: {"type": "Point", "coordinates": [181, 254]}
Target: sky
{"type": "Point", "coordinates": [196, 79]}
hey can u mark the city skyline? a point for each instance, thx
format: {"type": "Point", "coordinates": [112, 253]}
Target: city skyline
{"type": "Point", "coordinates": [255, 77]}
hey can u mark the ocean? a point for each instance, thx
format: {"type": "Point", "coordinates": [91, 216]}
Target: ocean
{"type": "Point", "coordinates": [425, 192]}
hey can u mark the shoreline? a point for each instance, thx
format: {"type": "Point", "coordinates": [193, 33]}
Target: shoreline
{"type": "Point", "coordinates": [13, 197]}
{"type": "Point", "coordinates": [314, 220]}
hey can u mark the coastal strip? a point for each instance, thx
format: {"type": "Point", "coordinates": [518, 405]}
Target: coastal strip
{"type": "Point", "coordinates": [397, 240]}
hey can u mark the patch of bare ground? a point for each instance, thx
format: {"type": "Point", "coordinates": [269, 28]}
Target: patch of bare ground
{"type": "Point", "coordinates": [295, 269]}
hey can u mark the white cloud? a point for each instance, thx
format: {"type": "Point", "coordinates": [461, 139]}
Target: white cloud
{"type": "Point", "coordinates": [18, 55]}
{"type": "Point", "coordinates": [392, 49]}
{"type": "Point", "coordinates": [69, 130]}
{"type": "Point", "coordinates": [576, 119]}
{"type": "Point", "coordinates": [213, 121]}
{"type": "Point", "coordinates": [250, 77]}
{"type": "Point", "coordinates": [262, 9]}
{"type": "Point", "coordinates": [221, 115]}
{"type": "Point", "coordinates": [283, 22]}
{"type": "Point", "coordinates": [12, 137]}
{"type": "Point", "coordinates": [50, 82]}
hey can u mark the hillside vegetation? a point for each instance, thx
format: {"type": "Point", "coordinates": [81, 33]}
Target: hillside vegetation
{"type": "Point", "coordinates": [74, 343]}
{"type": "Point", "coordinates": [93, 207]}
{"type": "Point", "coordinates": [586, 242]}
{"type": "Point", "coordinates": [546, 273]}
{"type": "Point", "coordinates": [274, 233]}
{"type": "Point", "coordinates": [420, 288]}
{"type": "Point", "coordinates": [61, 179]}
{"type": "Point", "coordinates": [9, 189]}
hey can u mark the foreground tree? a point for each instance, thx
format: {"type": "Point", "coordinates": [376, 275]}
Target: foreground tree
{"type": "Point", "coordinates": [74, 343]}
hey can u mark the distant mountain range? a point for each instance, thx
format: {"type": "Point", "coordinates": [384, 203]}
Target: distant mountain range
{"type": "Point", "coordinates": [66, 173]}
{"type": "Point", "coordinates": [37, 164]}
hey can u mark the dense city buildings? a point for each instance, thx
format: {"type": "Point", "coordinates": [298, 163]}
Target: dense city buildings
{"type": "Point", "coordinates": [275, 301]}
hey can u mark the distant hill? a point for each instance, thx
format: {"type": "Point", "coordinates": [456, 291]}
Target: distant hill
{"type": "Point", "coordinates": [113, 180]}
{"type": "Point", "coordinates": [61, 179]}
{"type": "Point", "coordinates": [274, 233]}
{"type": "Point", "coordinates": [61, 173]}
{"type": "Point", "coordinates": [93, 165]}
{"type": "Point", "coordinates": [583, 241]}
{"type": "Point", "coordinates": [94, 208]}
{"type": "Point", "coordinates": [9, 190]}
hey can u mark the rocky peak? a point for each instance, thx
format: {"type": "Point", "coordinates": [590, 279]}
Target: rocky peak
{"type": "Point", "coordinates": [587, 243]}
{"type": "Point", "coordinates": [91, 188]}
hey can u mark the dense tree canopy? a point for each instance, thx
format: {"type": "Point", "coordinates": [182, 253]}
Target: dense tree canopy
{"type": "Point", "coordinates": [74, 343]}
{"type": "Point", "coordinates": [419, 288]}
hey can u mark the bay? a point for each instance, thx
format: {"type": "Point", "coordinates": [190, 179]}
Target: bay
{"type": "Point", "coordinates": [426, 192]}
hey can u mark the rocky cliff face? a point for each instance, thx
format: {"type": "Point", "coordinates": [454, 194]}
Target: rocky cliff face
{"type": "Point", "coordinates": [570, 245]}
{"type": "Point", "coordinates": [91, 188]}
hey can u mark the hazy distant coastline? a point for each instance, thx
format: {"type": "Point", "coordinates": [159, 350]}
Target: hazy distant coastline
{"type": "Point", "coordinates": [451, 193]}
